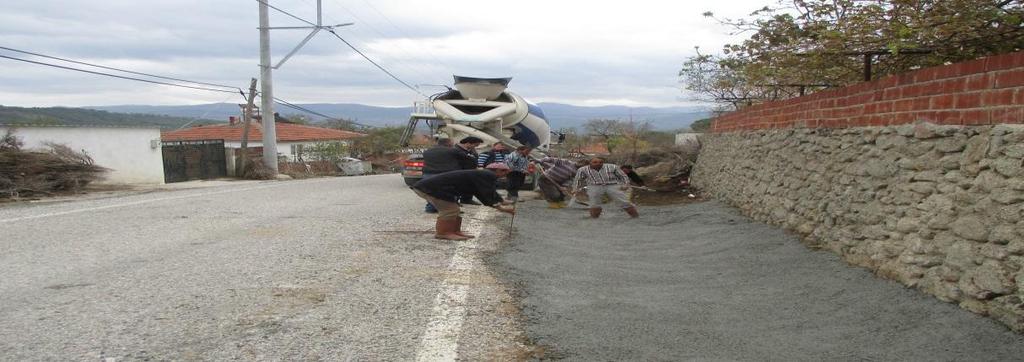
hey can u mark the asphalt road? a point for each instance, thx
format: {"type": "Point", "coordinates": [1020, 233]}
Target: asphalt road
{"type": "Point", "coordinates": [346, 269]}
{"type": "Point", "coordinates": [320, 269]}
{"type": "Point", "coordinates": [702, 282]}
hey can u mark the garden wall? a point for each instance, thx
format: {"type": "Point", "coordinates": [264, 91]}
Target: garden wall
{"type": "Point", "coordinates": [917, 177]}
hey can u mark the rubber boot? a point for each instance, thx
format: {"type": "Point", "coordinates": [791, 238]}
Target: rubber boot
{"type": "Point", "coordinates": [632, 212]}
{"type": "Point", "coordinates": [595, 213]}
{"type": "Point", "coordinates": [446, 230]}
{"type": "Point", "coordinates": [458, 229]}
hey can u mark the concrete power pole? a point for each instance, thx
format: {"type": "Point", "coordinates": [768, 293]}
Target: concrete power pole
{"type": "Point", "coordinates": [267, 90]}
{"type": "Point", "coordinates": [269, 131]}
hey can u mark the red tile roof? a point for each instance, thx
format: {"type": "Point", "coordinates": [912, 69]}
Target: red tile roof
{"type": "Point", "coordinates": [595, 149]}
{"type": "Point", "coordinates": [286, 132]}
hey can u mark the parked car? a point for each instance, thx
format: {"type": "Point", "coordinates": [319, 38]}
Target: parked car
{"type": "Point", "coordinates": [412, 171]}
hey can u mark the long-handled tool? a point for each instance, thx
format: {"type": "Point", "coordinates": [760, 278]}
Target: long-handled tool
{"type": "Point", "coordinates": [513, 221]}
{"type": "Point", "coordinates": [574, 202]}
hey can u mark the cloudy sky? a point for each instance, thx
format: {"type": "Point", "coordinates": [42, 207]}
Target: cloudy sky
{"type": "Point", "coordinates": [577, 52]}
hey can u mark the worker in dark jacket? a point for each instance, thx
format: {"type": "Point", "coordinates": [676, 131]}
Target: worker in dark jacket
{"type": "Point", "coordinates": [468, 146]}
{"type": "Point", "coordinates": [440, 159]}
{"type": "Point", "coordinates": [444, 191]}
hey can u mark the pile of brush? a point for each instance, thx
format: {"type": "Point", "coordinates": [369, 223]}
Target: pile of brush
{"type": "Point", "coordinates": [52, 170]}
{"type": "Point", "coordinates": [668, 169]}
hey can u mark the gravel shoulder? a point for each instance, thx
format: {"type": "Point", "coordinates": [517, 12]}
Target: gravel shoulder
{"type": "Point", "coordinates": [702, 282]}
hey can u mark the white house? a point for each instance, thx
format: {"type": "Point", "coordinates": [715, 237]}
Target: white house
{"type": "Point", "coordinates": [132, 154]}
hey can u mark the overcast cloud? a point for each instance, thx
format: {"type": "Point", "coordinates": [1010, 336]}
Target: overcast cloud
{"type": "Point", "coordinates": [577, 52]}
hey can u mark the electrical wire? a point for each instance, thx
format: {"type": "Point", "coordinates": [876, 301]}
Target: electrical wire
{"type": "Point", "coordinates": [377, 65]}
{"type": "Point", "coordinates": [115, 69]}
{"type": "Point", "coordinates": [389, 73]}
{"type": "Point", "coordinates": [286, 13]}
{"type": "Point", "coordinates": [307, 110]}
{"type": "Point", "coordinates": [123, 77]}
{"type": "Point", "coordinates": [404, 33]}
{"type": "Point", "coordinates": [279, 100]}
{"type": "Point", "coordinates": [416, 67]}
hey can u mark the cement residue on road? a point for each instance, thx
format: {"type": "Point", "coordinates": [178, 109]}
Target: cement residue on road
{"type": "Point", "coordinates": [700, 281]}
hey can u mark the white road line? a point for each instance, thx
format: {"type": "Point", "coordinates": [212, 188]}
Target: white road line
{"type": "Point", "coordinates": [440, 341]}
{"type": "Point", "coordinates": [140, 202]}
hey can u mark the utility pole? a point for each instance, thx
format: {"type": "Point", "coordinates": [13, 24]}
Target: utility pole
{"type": "Point", "coordinates": [266, 70]}
{"type": "Point", "coordinates": [267, 90]}
{"type": "Point", "coordinates": [247, 113]}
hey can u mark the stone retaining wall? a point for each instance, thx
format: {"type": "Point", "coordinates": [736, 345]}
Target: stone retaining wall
{"type": "Point", "coordinates": [935, 207]}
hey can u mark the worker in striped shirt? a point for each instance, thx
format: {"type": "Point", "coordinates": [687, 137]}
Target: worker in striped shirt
{"type": "Point", "coordinates": [604, 179]}
{"type": "Point", "coordinates": [519, 162]}
{"type": "Point", "coordinates": [557, 174]}
{"type": "Point", "coordinates": [495, 155]}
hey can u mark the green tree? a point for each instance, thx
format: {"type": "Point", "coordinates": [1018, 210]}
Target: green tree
{"type": "Point", "coordinates": [607, 130]}
{"type": "Point", "coordinates": [811, 44]}
{"type": "Point", "coordinates": [346, 125]}
{"type": "Point", "coordinates": [378, 142]}
{"type": "Point", "coordinates": [702, 125]}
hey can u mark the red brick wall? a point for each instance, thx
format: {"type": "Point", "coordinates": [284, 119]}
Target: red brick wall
{"type": "Point", "coordinates": [983, 91]}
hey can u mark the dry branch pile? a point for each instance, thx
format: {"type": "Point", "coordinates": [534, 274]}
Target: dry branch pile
{"type": "Point", "coordinates": [56, 169]}
{"type": "Point", "coordinates": [256, 170]}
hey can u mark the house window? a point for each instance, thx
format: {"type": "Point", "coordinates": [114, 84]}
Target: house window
{"type": "Point", "coordinates": [297, 152]}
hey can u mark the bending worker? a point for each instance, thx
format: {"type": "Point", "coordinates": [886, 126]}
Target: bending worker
{"type": "Point", "coordinates": [444, 190]}
{"type": "Point", "coordinates": [601, 180]}
{"type": "Point", "coordinates": [440, 159]}
{"type": "Point", "coordinates": [557, 174]}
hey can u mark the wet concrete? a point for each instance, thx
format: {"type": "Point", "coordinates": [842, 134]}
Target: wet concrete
{"type": "Point", "coordinates": [702, 282]}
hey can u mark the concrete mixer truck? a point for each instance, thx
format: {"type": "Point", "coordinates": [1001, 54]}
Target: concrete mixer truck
{"type": "Point", "coordinates": [481, 107]}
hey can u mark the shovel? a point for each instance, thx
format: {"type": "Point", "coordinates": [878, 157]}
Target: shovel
{"type": "Point", "coordinates": [573, 203]}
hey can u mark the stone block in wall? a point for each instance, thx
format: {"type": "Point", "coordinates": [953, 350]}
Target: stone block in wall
{"type": "Point", "coordinates": [1007, 166]}
{"type": "Point", "coordinates": [970, 227]}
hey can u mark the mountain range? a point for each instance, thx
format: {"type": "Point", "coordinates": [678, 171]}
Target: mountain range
{"type": "Point", "coordinates": [558, 114]}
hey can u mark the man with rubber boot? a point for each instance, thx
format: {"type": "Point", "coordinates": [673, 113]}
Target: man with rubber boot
{"type": "Point", "coordinates": [444, 191]}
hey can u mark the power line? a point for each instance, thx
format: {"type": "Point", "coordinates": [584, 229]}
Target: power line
{"type": "Point", "coordinates": [375, 63]}
{"type": "Point", "coordinates": [392, 75]}
{"type": "Point", "coordinates": [400, 31]}
{"type": "Point", "coordinates": [307, 110]}
{"type": "Point", "coordinates": [115, 69]}
{"type": "Point", "coordinates": [121, 76]}
{"type": "Point", "coordinates": [286, 13]}
{"type": "Point", "coordinates": [417, 68]}
{"type": "Point", "coordinates": [279, 100]}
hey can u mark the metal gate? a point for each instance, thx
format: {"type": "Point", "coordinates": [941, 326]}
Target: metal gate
{"type": "Point", "coordinates": [194, 160]}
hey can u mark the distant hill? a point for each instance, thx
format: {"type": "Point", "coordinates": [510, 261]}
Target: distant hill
{"type": "Point", "coordinates": [89, 117]}
{"type": "Point", "coordinates": [663, 118]}
{"type": "Point", "coordinates": [560, 115]}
